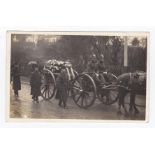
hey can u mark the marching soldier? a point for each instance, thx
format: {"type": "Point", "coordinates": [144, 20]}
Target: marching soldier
{"type": "Point", "coordinates": [66, 75]}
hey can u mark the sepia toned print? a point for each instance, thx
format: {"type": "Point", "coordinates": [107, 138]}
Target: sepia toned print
{"type": "Point", "coordinates": [77, 76]}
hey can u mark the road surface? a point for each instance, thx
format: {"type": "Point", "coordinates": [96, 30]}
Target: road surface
{"type": "Point", "coordinates": [25, 107]}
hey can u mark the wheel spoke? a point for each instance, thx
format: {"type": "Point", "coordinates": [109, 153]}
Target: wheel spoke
{"type": "Point", "coordinates": [84, 91]}
{"type": "Point", "coordinates": [77, 93]}
{"type": "Point", "coordinates": [51, 88]}
{"type": "Point", "coordinates": [43, 87]}
{"type": "Point", "coordinates": [48, 84]}
{"type": "Point", "coordinates": [82, 98]}
{"type": "Point", "coordinates": [48, 93]}
{"type": "Point", "coordinates": [45, 93]}
{"type": "Point", "coordinates": [79, 84]}
{"type": "Point", "coordinates": [86, 96]}
{"type": "Point", "coordinates": [77, 88]}
{"type": "Point", "coordinates": [78, 98]}
{"type": "Point", "coordinates": [85, 100]}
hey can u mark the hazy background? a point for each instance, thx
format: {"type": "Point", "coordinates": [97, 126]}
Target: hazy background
{"type": "Point", "coordinates": [28, 47]}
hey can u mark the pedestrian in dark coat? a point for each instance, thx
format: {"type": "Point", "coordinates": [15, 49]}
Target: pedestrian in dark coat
{"type": "Point", "coordinates": [15, 77]}
{"type": "Point", "coordinates": [35, 83]}
{"type": "Point", "coordinates": [62, 88]}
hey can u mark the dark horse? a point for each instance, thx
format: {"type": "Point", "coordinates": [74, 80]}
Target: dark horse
{"type": "Point", "coordinates": [132, 83]}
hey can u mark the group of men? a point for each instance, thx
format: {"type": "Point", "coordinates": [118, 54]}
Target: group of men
{"type": "Point", "coordinates": [97, 68]}
{"type": "Point", "coordinates": [94, 66]}
{"type": "Point", "coordinates": [35, 80]}
{"type": "Point", "coordinates": [66, 74]}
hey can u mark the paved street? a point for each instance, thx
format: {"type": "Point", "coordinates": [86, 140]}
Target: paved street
{"type": "Point", "coordinates": [24, 107]}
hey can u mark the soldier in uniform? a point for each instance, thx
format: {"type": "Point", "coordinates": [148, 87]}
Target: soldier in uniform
{"type": "Point", "coordinates": [101, 69]}
{"type": "Point", "coordinates": [15, 77]}
{"type": "Point", "coordinates": [101, 64]}
{"type": "Point", "coordinates": [92, 64]}
{"type": "Point", "coordinates": [92, 68]}
{"type": "Point", "coordinates": [62, 81]}
{"type": "Point", "coordinates": [35, 83]}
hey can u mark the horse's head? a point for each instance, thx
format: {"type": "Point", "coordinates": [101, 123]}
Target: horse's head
{"type": "Point", "coordinates": [142, 79]}
{"type": "Point", "coordinates": [139, 78]}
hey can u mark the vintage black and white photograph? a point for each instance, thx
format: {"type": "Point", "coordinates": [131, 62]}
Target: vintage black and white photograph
{"type": "Point", "coordinates": [77, 76]}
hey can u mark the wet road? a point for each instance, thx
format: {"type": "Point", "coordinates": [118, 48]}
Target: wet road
{"type": "Point", "coordinates": [24, 107]}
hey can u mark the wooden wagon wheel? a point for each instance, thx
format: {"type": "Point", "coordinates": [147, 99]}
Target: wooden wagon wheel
{"type": "Point", "coordinates": [108, 93]}
{"type": "Point", "coordinates": [83, 91]}
{"type": "Point", "coordinates": [48, 86]}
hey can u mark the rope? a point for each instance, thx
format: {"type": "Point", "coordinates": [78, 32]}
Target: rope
{"type": "Point", "coordinates": [116, 86]}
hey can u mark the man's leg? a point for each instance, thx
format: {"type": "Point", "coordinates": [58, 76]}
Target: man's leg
{"type": "Point", "coordinates": [65, 96]}
{"type": "Point", "coordinates": [37, 99]}
{"type": "Point", "coordinates": [64, 102]}
{"type": "Point", "coordinates": [122, 94]}
{"type": "Point", "coordinates": [33, 97]}
{"type": "Point", "coordinates": [132, 101]}
{"type": "Point", "coordinates": [16, 92]}
{"type": "Point", "coordinates": [60, 98]}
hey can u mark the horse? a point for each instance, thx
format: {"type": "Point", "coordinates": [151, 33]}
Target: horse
{"type": "Point", "coordinates": [132, 83]}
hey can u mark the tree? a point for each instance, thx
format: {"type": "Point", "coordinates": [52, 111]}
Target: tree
{"type": "Point", "coordinates": [143, 42]}
{"type": "Point", "coordinates": [135, 42]}
{"type": "Point", "coordinates": [116, 48]}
